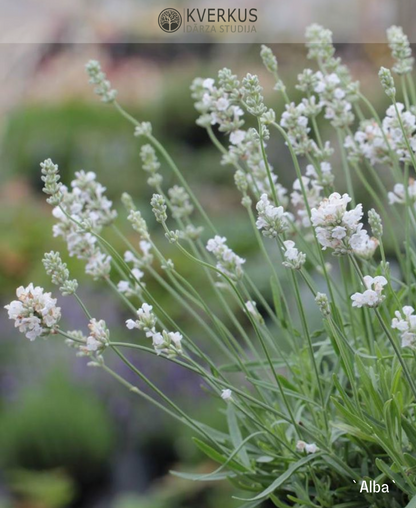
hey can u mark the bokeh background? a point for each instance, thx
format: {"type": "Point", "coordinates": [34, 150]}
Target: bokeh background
{"type": "Point", "coordinates": [69, 435]}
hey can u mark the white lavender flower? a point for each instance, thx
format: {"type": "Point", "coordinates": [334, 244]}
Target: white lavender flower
{"type": "Point", "coordinates": [313, 195]}
{"type": "Point", "coordinates": [151, 165]}
{"type": "Point", "coordinates": [319, 43]}
{"type": "Point", "coordinates": [227, 395]}
{"type": "Point", "coordinates": [85, 210]}
{"type": "Point", "coordinates": [98, 265]}
{"type": "Point", "coordinates": [295, 121]}
{"type": "Point", "coordinates": [99, 336]}
{"type": "Point", "coordinates": [103, 86]}
{"type": "Point", "coordinates": [369, 141]}
{"type": "Point", "coordinates": [405, 323]}
{"type": "Point", "coordinates": [301, 446]}
{"type": "Point", "coordinates": [143, 129]}
{"type": "Point", "coordinates": [180, 202]}
{"type": "Point", "coordinates": [142, 258]}
{"type": "Point", "coordinates": [34, 312]}
{"type": "Point", "coordinates": [251, 308]}
{"type": "Point", "coordinates": [335, 97]}
{"type": "Point", "coordinates": [249, 152]}
{"type": "Point", "coordinates": [272, 220]}
{"type": "Point", "coordinates": [237, 137]}
{"type": "Point", "coordinates": [398, 195]}
{"type": "Point", "coordinates": [191, 232]}
{"type": "Point", "coordinates": [227, 261]}
{"type": "Point", "coordinates": [59, 273]}
{"type": "Point", "coordinates": [218, 105]}
{"type": "Point", "coordinates": [146, 319]}
{"type": "Point", "coordinates": [372, 296]}
{"type": "Point", "coordinates": [365, 246]}
{"type": "Point", "coordinates": [307, 81]}
{"type": "Point", "coordinates": [294, 259]}
{"type": "Point", "coordinates": [168, 343]}
{"type": "Point", "coordinates": [400, 50]}
{"type": "Point", "coordinates": [337, 228]}
{"type": "Point", "coordinates": [132, 288]}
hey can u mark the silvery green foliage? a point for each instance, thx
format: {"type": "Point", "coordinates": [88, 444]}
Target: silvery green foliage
{"type": "Point", "coordinates": [313, 363]}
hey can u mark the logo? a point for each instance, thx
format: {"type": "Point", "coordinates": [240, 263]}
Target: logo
{"type": "Point", "coordinates": [170, 20]}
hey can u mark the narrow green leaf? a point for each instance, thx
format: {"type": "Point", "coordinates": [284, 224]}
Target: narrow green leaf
{"type": "Point", "coordinates": [277, 301]}
{"type": "Point", "coordinates": [284, 477]}
{"type": "Point", "coordinates": [412, 503]}
{"type": "Point", "coordinates": [217, 457]}
{"type": "Point", "coordinates": [393, 476]}
{"type": "Point", "coordinates": [235, 434]}
{"type": "Point", "coordinates": [252, 365]}
{"type": "Point", "coordinates": [204, 478]}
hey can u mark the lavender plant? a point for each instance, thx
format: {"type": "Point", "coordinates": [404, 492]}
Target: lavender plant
{"type": "Point", "coordinates": [309, 420]}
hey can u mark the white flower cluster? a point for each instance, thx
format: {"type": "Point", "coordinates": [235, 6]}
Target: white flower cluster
{"type": "Point", "coordinates": [313, 184]}
{"type": "Point", "coordinates": [227, 395]}
{"type": "Point", "coordinates": [251, 308]}
{"type": "Point", "coordinates": [98, 337]}
{"type": "Point", "coordinates": [295, 120]}
{"type": "Point", "coordinates": [272, 220]}
{"type": "Point", "coordinates": [301, 446]}
{"type": "Point", "coordinates": [249, 152]}
{"type": "Point", "coordinates": [372, 296]}
{"type": "Point", "coordinates": [400, 50]}
{"type": "Point", "coordinates": [398, 195]}
{"type": "Point", "coordinates": [217, 107]}
{"type": "Point", "coordinates": [221, 106]}
{"type": "Point", "coordinates": [168, 343]}
{"type": "Point", "coordinates": [319, 43]}
{"type": "Point", "coordinates": [228, 262]}
{"type": "Point", "coordinates": [405, 323]}
{"type": "Point", "coordinates": [370, 143]}
{"type": "Point", "coordinates": [339, 229]}
{"type": "Point", "coordinates": [333, 95]}
{"type": "Point", "coordinates": [294, 258]}
{"type": "Point", "coordinates": [333, 82]}
{"type": "Point", "coordinates": [180, 202]}
{"type": "Point", "coordinates": [93, 345]}
{"type": "Point", "coordinates": [34, 312]}
{"type": "Point", "coordinates": [139, 261]}
{"type": "Point", "coordinates": [85, 206]}
{"type": "Point", "coordinates": [151, 165]}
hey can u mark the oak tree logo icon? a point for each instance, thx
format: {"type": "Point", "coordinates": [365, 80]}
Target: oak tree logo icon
{"type": "Point", "coordinates": [170, 20]}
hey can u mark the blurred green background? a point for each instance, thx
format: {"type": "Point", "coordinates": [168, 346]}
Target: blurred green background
{"type": "Point", "coordinates": [69, 435]}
